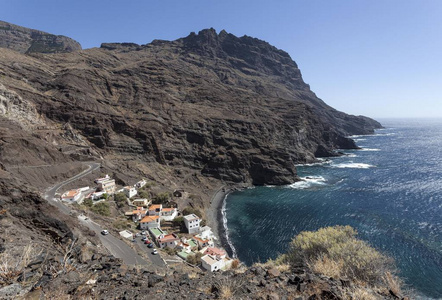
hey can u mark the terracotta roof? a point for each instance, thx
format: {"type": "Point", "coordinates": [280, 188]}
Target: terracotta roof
{"type": "Point", "coordinates": [215, 251]}
{"type": "Point", "coordinates": [148, 219]}
{"type": "Point", "coordinates": [169, 238]}
{"type": "Point", "coordinates": [71, 193]}
{"type": "Point", "coordinates": [200, 239]}
{"type": "Point", "coordinates": [155, 206]}
{"type": "Point", "coordinates": [168, 209]}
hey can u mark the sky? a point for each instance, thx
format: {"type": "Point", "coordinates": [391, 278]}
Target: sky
{"type": "Point", "coordinates": [376, 58]}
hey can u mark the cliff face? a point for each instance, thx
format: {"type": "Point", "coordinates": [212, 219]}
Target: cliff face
{"type": "Point", "coordinates": [232, 108]}
{"type": "Point", "coordinates": [25, 40]}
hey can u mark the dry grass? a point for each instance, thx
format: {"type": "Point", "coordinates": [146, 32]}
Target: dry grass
{"type": "Point", "coordinates": [227, 287]}
{"type": "Point", "coordinates": [11, 266]}
{"type": "Point", "coordinates": [393, 283]}
{"type": "Point", "coordinates": [362, 294]}
{"type": "Point", "coordinates": [328, 267]}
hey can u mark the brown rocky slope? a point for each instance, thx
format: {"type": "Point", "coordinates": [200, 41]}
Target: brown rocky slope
{"type": "Point", "coordinates": [232, 108]}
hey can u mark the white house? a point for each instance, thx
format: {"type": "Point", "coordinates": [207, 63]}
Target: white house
{"type": "Point", "coordinates": [141, 202]}
{"type": "Point", "coordinates": [169, 240]}
{"type": "Point", "coordinates": [72, 195]}
{"type": "Point", "coordinates": [97, 195]}
{"type": "Point", "coordinates": [202, 243]}
{"type": "Point", "coordinates": [168, 214]}
{"type": "Point", "coordinates": [107, 185]}
{"type": "Point", "coordinates": [137, 214]}
{"type": "Point", "coordinates": [129, 191]}
{"type": "Point", "coordinates": [215, 259]}
{"type": "Point", "coordinates": [140, 183]}
{"type": "Point", "coordinates": [192, 223]}
{"type": "Point", "coordinates": [212, 263]}
{"type": "Point", "coordinates": [149, 222]}
{"type": "Point", "coordinates": [206, 233]}
{"type": "Point", "coordinates": [155, 209]}
{"type": "Point", "coordinates": [98, 180]}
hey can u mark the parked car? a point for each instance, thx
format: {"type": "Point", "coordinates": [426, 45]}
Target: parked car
{"type": "Point", "coordinates": [104, 232]}
{"type": "Point", "coordinates": [144, 238]}
{"type": "Point", "coordinates": [147, 242]}
{"type": "Point", "coordinates": [150, 245]}
{"type": "Point", "coordinates": [154, 252]}
{"type": "Point", "coordinates": [143, 232]}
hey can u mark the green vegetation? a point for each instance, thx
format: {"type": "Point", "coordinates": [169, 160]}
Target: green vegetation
{"type": "Point", "coordinates": [88, 202]}
{"type": "Point", "coordinates": [120, 199]}
{"type": "Point", "coordinates": [122, 224]}
{"type": "Point", "coordinates": [104, 196]}
{"type": "Point", "coordinates": [101, 208]}
{"type": "Point", "coordinates": [194, 259]}
{"type": "Point", "coordinates": [178, 222]}
{"type": "Point", "coordinates": [143, 194]}
{"type": "Point", "coordinates": [171, 251]}
{"type": "Point", "coordinates": [161, 198]}
{"type": "Point", "coordinates": [336, 252]}
{"type": "Point", "coordinates": [190, 210]}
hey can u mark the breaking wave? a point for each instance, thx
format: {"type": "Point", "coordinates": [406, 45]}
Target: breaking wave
{"type": "Point", "coordinates": [352, 165]}
{"type": "Point", "coordinates": [308, 182]}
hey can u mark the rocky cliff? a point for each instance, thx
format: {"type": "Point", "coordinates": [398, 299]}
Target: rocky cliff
{"type": "Point", "coordinates": [232, 108]}
{"type": "Point", "coordinates": [25, 40]}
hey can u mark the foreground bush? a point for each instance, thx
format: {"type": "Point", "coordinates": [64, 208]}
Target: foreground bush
{"type": "Point", "coordinates": [336, 252]}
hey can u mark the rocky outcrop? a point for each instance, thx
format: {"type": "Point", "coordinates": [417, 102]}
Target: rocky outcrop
{"type": "Point", "coordinates": [25, 40]}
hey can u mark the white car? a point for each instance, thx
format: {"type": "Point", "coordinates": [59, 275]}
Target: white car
{"type": "Point", "coordinates": [104, 232]}
{"type": "Point", "coordinates": [154, 252]}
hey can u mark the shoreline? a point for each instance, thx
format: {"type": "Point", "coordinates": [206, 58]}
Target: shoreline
{"type": "Point", "coordinates": [215, 216]}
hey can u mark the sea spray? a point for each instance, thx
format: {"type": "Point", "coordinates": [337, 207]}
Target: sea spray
{"type": "Point", "coordinates": [226, 228]}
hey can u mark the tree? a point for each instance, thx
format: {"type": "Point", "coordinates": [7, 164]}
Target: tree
{"type": "Point", "coordinates": [194, 259]}
{"type": "Point", "coordinates": [88, 202]}
{"type": "Point", "coordinates": [120, 199]}
{"type": "Point", "coordinates": [101, 208]}
{"type": "Point", "coordinates": [178, 221]}
{"type": "Point", "coordinates": [190, 210]}
{"type": "Point", "coordinates": [104, 196]}
{"type": "Point", "coordinates": [161, 198]}
{"type": "Point", "coordinates": [143, 194]}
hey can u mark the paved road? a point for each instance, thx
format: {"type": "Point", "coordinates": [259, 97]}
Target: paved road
{"type": "Point", "coordinates": [115, 246]}
{"type": "Point", "coordinates": [155, 258]}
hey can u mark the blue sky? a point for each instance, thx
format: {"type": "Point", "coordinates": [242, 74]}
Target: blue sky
{"type": "Point", "coordinates": [377, 58]}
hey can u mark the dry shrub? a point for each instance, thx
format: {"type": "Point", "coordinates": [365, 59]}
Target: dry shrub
{"type": "Point", "coordinates": [362, 294]}
{"type": "Point", "coordinates": [339, 249]}
{"type": "Point", "coordinates": [235, 264]}
{"type": "Point", "coordinates": [11, 266]}
{"type": "Point", "coordinates": [228, 287]}
{"type": "Point", "coordinates": [328, 267]}
{"type": "Point", "coordinates": [393, 283]}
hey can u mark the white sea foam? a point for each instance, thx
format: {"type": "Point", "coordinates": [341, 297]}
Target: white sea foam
{"type": "Point", "coordinates": [369, 149]}
{"type": "Point", "coordinates": [352, 165]}
{"type": "Point", "coordinates": [226, 228]}
{"type": "Point", "coordinates": [320, 162]}
{"type": "Point", "coordinates": [359, 140]}
{"type": "Point", "coordinates": [308, 182]}
{"type": "Point", "coordinates": [350, 155]}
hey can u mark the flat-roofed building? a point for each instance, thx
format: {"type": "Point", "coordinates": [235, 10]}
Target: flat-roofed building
{"type": "Point", "coordinates": [192, 223]}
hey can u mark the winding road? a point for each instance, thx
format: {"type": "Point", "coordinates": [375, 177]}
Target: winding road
{"type": "Point", "coordinates": [115, 246]}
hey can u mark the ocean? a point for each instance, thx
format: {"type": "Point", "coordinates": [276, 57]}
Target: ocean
{"type": "Point", "coordinates": [390, 192]}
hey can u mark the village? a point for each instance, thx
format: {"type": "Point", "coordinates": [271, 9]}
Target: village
{"type": "Point", "coordinates": [184, 234]}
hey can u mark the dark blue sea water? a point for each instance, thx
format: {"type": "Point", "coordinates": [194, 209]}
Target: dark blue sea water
{"type": "Point", "coordinates": [391, 192]}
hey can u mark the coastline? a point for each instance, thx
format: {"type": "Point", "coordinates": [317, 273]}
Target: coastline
{"type": "Point", "coordinates": [215, 216]}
